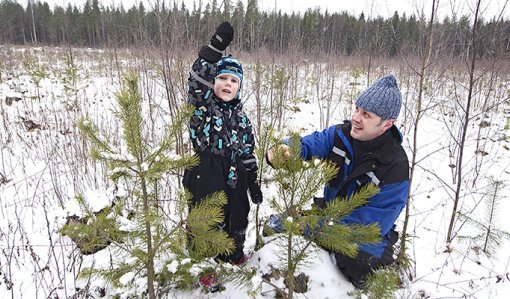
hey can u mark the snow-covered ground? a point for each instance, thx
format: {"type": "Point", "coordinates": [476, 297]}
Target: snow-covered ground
{"type": "Point", "coordinates": [44, 164]}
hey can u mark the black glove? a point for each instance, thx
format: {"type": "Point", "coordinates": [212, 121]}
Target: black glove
{"type": "Point", "coordinates": [319, 202]}
{"type": "Point", "coordinates": [254, 188]}
{"type": "Point", "coordinates": [219, 42]}
{"type": "Point", "coordinates": [267, 160]}
{"type": "Point", "coordinates": [223, 36]}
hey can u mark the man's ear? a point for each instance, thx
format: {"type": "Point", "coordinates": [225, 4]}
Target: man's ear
{"type": "Point", "coordinates": [389, 124]}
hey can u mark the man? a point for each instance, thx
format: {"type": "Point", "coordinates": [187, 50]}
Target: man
{"type": "Point", "coordinates": [366, 149]}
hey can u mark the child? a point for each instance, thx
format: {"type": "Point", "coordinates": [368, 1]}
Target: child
{"type": "Point", "coordinates": [222, 137]}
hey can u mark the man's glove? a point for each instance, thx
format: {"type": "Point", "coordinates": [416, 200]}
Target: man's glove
{"type": "Point", "coordinates": [219, 42]}
{"type": "Point", "coordinates": [254, 188]}
{"type": "Point", "coordinates": [319, 202]}
{"type": "Point", "coordinates": [311, 233]}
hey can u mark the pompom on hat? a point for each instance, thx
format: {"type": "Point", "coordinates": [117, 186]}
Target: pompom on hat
{"type": "Point", "coordinates": [383, 98]}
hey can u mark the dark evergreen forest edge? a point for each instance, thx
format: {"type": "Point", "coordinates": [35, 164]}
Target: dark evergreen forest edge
{"type": "Point", "coordinates": [314, 32]}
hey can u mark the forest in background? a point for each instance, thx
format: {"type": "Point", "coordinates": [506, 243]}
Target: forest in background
{"type": "Point", "coordinates": [455, 121]}
{"type": "Point", "coordinates": [176, 27]}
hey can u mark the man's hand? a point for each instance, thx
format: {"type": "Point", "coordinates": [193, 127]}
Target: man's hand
{"type": "Point", "coordinates": [278, 155]}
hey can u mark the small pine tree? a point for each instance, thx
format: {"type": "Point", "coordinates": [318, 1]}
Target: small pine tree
{"type": "Point", "coordinates": [70, 77]}
{"type": "Point", "coordinates": [490, 236]}
{"type": "Point", "coordinates": [297, 182]}
{"type": "Point", "coordinates": [146, 242]}
{"type": "Point", "coordinates": [382, 284]}
{"type": "Point", "coordinates": [36, 70]}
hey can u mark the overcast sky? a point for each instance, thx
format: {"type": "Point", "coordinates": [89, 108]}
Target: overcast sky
{"type": "Point", "coordinates": [371, 8]}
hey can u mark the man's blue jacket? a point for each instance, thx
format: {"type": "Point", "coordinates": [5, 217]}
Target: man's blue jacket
{"type": "Point", "coordinates": [381, 161]}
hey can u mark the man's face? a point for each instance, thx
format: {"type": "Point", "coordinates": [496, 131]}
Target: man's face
{"type": "Point", "coordinates": [226, 87]}
{"type": "Point", "coordinates": [367, 125]}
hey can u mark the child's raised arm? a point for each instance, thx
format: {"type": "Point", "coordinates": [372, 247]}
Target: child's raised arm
{"type": "Point", "coordinates": [203, 71]}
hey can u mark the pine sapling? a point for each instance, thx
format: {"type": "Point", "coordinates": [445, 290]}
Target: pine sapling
{"type": "Point", "coordinates": [36, 70]}
{"type": "Point", "coordinates": [382, 284]}
{"type": "Point", "coordinates": [489, 236]}
{"type": "Point", "coordinates": [147, 243]}
{"type": "Point", "coordinates": [70, 76]}
{"type": "Point", "coordinates": [304, 229]}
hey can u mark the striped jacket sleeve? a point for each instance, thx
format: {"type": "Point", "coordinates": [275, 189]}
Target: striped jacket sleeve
{"type": "Point", "coordinates": [201, 82]}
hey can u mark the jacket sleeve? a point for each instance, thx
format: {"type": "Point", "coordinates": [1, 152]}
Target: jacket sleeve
{"type": "Point", "coordinates": [201, 82]}
{"type": "Point", "coordinates": [383, 208]}
{"type": "Point", "coordinates": [318, 144]}
{"type": "Point", "coordinates": [248, 157]}
{"type": "Point", "coordinates": [250, 161]}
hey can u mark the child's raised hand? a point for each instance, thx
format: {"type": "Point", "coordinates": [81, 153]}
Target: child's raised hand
{"type": "Point", "coordinates": [219, 42]}
{"type": "Point", "coordinates": [223, 36]}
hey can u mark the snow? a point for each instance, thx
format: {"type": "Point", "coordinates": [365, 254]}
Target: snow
{"type": "Point", "coordinates": [43, 169]}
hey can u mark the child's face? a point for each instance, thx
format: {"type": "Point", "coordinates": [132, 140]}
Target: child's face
{"type": "Point", "coordinates": [226, 87]}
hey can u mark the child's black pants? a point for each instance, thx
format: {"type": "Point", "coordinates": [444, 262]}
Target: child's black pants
{"type": "Point", "coordinates": [211, 176]}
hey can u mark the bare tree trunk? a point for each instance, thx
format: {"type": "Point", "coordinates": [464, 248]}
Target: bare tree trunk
{"type": "Point", "coordinates": [258, 96]}
{"type": "Point", "coordinates": [290, 269]}
{"type": "Point", "coordinates": [34, 40]}
{"type": "Point", "coordinates": [169, 57]}
{"type": "Point", "coordinates": [419, 114]}
{"type": "Point", "coordinates": [148, 234]}
{"type": "Point", "coordinates": [473, 52]}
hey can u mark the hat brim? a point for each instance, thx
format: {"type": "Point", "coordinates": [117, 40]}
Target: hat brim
{"type": "Point", "coordinates": [232, 74]}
